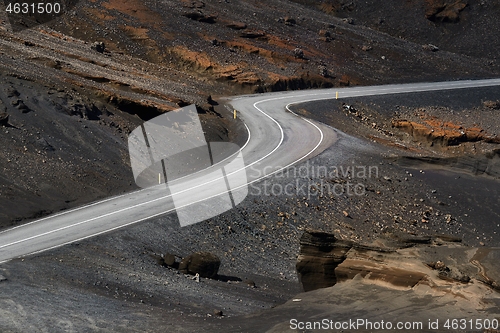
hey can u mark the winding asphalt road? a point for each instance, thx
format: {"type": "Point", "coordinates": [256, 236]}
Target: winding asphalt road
{"type": "Point", "coordinates": [277, 139]}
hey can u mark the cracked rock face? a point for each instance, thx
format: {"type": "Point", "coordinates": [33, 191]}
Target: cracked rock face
{"type": "Point", "coordinates": [320, 254]}
{"type": "Point", "coordinates": [438, 262]}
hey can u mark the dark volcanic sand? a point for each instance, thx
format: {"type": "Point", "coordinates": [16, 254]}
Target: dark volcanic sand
{"type": "Point", "coordinates": [65, 147]}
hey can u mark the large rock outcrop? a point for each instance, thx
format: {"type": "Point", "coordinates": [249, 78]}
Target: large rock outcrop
{"type": "Point", "coordinates": [436, 131]}
{"type": "Point", "coordinates": [401, 263]}
{"type": "Point", "coordinates": [320, 254]}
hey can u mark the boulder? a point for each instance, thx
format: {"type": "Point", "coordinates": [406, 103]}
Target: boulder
{"type": "Point", "coordinates": [348, 20]}
{"type": "Point", "coordinates": [200, 17]}
{"type": "Point", "coordinates": [325, 33]}
{"type": "Point", "coordinates": [203, 263]}
{"type": "Point", "coordinates": [323, 71]}
{"type": "Point", "coordinates": [169, 259]}
{"type": "Point", "coordinates": [430, 47]}
{"type": "Point", "coordinates": [99, 47]}
{"type": "Point", "coordinates": [298, 53]}
{"type": "Point", "coordinates": [289, 20]}
{"type": "Point", "coordinates": [444, 10]}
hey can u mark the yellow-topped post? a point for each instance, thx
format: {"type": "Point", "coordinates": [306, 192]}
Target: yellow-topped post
{"type": "Point", "coordinates": [234, 114]}
{"type": "Point", "coordinates": [337, 95]}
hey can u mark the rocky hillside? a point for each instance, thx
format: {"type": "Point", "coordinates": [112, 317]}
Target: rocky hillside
{"type": "Point", "coordinates": [248, 47]}
{"type": "Point", "coordinates": [459, 26]}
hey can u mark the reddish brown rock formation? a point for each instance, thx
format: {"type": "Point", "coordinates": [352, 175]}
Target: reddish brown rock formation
{"type": "Point", "coordinates": [437, 131]}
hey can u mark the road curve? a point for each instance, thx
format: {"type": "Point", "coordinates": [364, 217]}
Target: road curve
{"type": "Point", "coordinates": [277, 139]}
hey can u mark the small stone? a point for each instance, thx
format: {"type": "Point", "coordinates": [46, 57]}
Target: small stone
{"type": "Point", "coordinates": [439, 265]}
{"type": "Point", "coordinates": [348, 20]}
{"type": "Point", "coordinates": [203, 264]}
{"type": "Point", "coordinates": [99, 47]}
{"type": "Point", "coordinates": [430, 47]}
{"type": "Point", "coordinates": [250, 283]}
{"type": "Point", "coordinates": [324, 33]}
{"type": "Point", "coordinates": [290, 20]}
{"type": "Point", "coordinates": [298, 53]}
